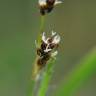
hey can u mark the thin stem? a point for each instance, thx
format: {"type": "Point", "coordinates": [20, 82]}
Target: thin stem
{"type": "Point", "coordinates": [46, 76]}
{"type": "Point", "coordinates": [35, 84]}
{"type": "Point", "coordinates": [41, 29]}
{"type": "Point", "coordinates": [42, 23]}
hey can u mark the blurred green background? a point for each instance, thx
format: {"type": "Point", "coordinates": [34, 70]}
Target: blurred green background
{"type": "Point", "coordinates": [75, 20]}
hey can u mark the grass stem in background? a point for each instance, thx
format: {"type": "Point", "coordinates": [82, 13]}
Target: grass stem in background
{"type": "Point", "coordinates": [80, 74]}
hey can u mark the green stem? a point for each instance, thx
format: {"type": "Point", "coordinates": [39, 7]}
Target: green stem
{"type": "Point", "coordinates": [42, 24]}
{"type": "Point", "coordinates": [41, 30]}
{"type": "Point", "coordinates": [46, 76]}
{"type": "Point", "coordinates": [33, 83]}
{"type": "Point", "coordinates": [30, 88]}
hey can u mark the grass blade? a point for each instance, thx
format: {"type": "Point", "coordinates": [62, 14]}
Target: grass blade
{"type": "Point", "coordinates": [80, 74]}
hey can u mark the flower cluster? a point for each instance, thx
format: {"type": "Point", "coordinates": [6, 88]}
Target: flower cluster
{"type": "Point", "coordinates": [48, 48]}
{"type": "Point", "coordinates": [46, 6]}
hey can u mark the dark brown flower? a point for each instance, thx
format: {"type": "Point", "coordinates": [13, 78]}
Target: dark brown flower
{"type": "Point", "coordinates": [46, 6]}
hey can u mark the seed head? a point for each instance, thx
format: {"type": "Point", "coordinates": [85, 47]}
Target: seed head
{"type": "Point", "coordinates": [46, 51]}
{"type": "Point", "coordinates": [46, 6]}
{"type": "Point", "coordinates": [48, 48]}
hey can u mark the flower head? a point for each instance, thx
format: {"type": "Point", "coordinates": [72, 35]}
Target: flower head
{"type": "Point", "coordinates": [50, 42]}
{"type": "Point", "coordinates": [46, 6]}
{"type": "Point", "coordinates": [48, 48]}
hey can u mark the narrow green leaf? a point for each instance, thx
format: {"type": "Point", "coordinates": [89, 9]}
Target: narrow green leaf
{"type": "Point", "coordinates": [79, 75]}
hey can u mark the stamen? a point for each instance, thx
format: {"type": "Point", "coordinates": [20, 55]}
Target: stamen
{"type": "Point", "coordinates": [42, 2]}
{"type": "Point", "coordinates": [57, 2]}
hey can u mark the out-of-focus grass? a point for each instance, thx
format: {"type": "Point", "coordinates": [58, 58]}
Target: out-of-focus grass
{"type": "Point", "coordinates": [30, 88]}
{"type": "Point", "coordinates": [80, 74]}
